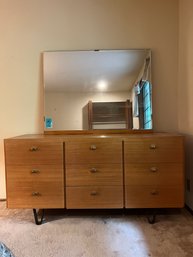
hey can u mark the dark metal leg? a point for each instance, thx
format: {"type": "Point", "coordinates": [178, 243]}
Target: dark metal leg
{"type": "Point", "coordinates": [38, 218]}
{"type": "Point", "coordinates": [152, 217]}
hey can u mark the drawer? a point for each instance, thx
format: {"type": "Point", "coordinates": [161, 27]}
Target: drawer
{"type": "Point", "coordinates": [35, 173]}
{"type": "Point", "coordinates": [35, 195]}
{"type": "Point", "coordinates": [21, 152]}
{"type": "Point", "coordinates": [92, 197]}
{"type": "Point", "coordinates": [94, 174]}
{"type": "Point", "coordinates": [95, 150]}
{"type": "Point", "coordinates": [154, 173]}
{"type": "Point", "coordinates": [155, 149]}
{"type": "Point", "coordinates": [154, 196]}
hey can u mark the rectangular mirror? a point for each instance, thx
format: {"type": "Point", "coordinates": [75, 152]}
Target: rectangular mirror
{"type": "Point", "coordinates": [100, 89]}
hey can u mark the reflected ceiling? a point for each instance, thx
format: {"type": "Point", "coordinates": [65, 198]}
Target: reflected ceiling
{"type": "Point", "coordinates": [95, 70]}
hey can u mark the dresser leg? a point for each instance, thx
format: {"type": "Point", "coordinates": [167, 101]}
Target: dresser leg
{"type": "Point", "coordinates": [152, 218]}
{"type": "Point", "coordinates": [39, 218]}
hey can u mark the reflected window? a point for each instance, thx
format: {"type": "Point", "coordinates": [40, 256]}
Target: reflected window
{"type": "Point", "coordinates": [147, 105]}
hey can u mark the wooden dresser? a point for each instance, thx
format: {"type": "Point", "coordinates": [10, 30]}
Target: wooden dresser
{"type": "Point", "coordinates": [95, 171]}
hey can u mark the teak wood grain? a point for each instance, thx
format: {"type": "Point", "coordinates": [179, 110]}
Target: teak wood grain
{"type": "Point", "coordinates": [154, 174]}
{"type": "Point", "coordinates": [18, 152]}
{"type": "Point", "coordinates": [167, 149]}
{"type": "Point", "coordinates": [21, 194]}
{"type": "Point", "coordinates": [94, 174]}
{"type": "Point", "coordinates": [34, 173]}
{"type": "Point", "coordinates": [154, 196]}
{"type": "Point", "coordinates": [92, 197]}
{"type": "Point", "coordinates": [108, 150]}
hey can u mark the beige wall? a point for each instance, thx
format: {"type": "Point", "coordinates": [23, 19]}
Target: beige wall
{"type": "Point", "coordinates": [186, 67]}
{"type": "Point", "coordinates": [186, 88]}
{"type": "Point", "coordinates": [29, 27]}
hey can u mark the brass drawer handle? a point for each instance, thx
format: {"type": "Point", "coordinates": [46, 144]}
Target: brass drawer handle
{"type": "Point", "coordinates": [153, 169]}
{"type": "Point", "coordinates": [36, 194]}
{"type": "Point", "coordinates": [35, 171]}
{"type": "Point", "coordinates": [93, 193]}
{"type": "Point", "coordinates": [154, 192]}
{"type": "Point", "coordinates": [33, 149]}
{"type": "Point", "coordinates": [152, 146]}
{"type": "Point", "coordinates": [93, 147]}
{"type": "Point", "coordinates": [93, 170]}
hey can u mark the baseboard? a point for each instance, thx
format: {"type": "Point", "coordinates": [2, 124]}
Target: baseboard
{"type": "Point", "coordinates": [189, 209]}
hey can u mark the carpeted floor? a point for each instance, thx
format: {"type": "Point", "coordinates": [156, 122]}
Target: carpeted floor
{"type": "Point", "coordinates": [97, 235]}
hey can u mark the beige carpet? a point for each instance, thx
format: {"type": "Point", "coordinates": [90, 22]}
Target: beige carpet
{"type": "Point", "coordinates": [97, 236]}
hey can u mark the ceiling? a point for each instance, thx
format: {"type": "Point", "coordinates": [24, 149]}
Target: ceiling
{"type": "Point", "coordinates": [82, 71]}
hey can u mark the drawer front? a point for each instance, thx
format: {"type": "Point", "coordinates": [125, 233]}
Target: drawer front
{"type": "Point", "coordinates": [35, 173]}
{"type": "Point", "coordinates": [94, 174]}
{"type": "Point", "coordinates": [25, 152]}
{"type": "Point", "coordinates": [94, 151]}
{"type": "Point", "coordinates": [154, 197]}
{"type": "Point", "coordinates": [94, 197]}
{"type": "Point", "coordinates": [158, 149]}
{"type": "Point", "coordinates": [154, 173]}
{"type": "Point", "coordinates": [35, 195]}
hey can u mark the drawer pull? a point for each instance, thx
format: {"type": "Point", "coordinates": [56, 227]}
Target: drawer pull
{"type": "Point", "coordinates": [93, 170]}
{"type": "Point", "coordinates": [93, 193]}
{"type": "Point", "coordinates": [35, 171]}
{"type": "Point", "coordinates": [36, 194]}
{"type": "Point", "coordinates": [33, 149]}
{"type": "Point", "coordinates": [153, 169]}
{"type": "Point", "coordinates": [154, 192]}
{"type": "Point", "coordinates": [152, 146]}
{"type": "Point", "coordinates": [93, 147]}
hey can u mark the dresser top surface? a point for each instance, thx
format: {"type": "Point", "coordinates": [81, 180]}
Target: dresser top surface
{"type": "Point", "coordinates": [71, 137]}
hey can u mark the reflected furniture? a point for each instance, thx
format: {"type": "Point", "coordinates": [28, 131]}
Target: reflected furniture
{"type": "Point", "coordinates": [105, 115]}
{"type": "Point", "coordinates": [115, 171]}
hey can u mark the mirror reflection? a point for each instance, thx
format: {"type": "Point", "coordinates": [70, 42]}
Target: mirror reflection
{"type": "Point", "coordinates": [101, 89]}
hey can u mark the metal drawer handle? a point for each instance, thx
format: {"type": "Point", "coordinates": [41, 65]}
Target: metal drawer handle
{"type": "Point", "coordinates": [152, 146]}
{"type": "Point", "coordinates": [93, 193]}
{"type": "Point", "coordinates": [36, 194]}
{"type": "Point", "coordinates": [93, 170]}
{"type": "Point", "coordinates": [33, 149]}
{"type": "Point", "coordinates": [35, 171]}
{"type": "Point", "coordinates": [153, 169]}
{"type": "Point", "coordinates": [154, 192]}
{"type": "Point", "coordinates": [93, 147]}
